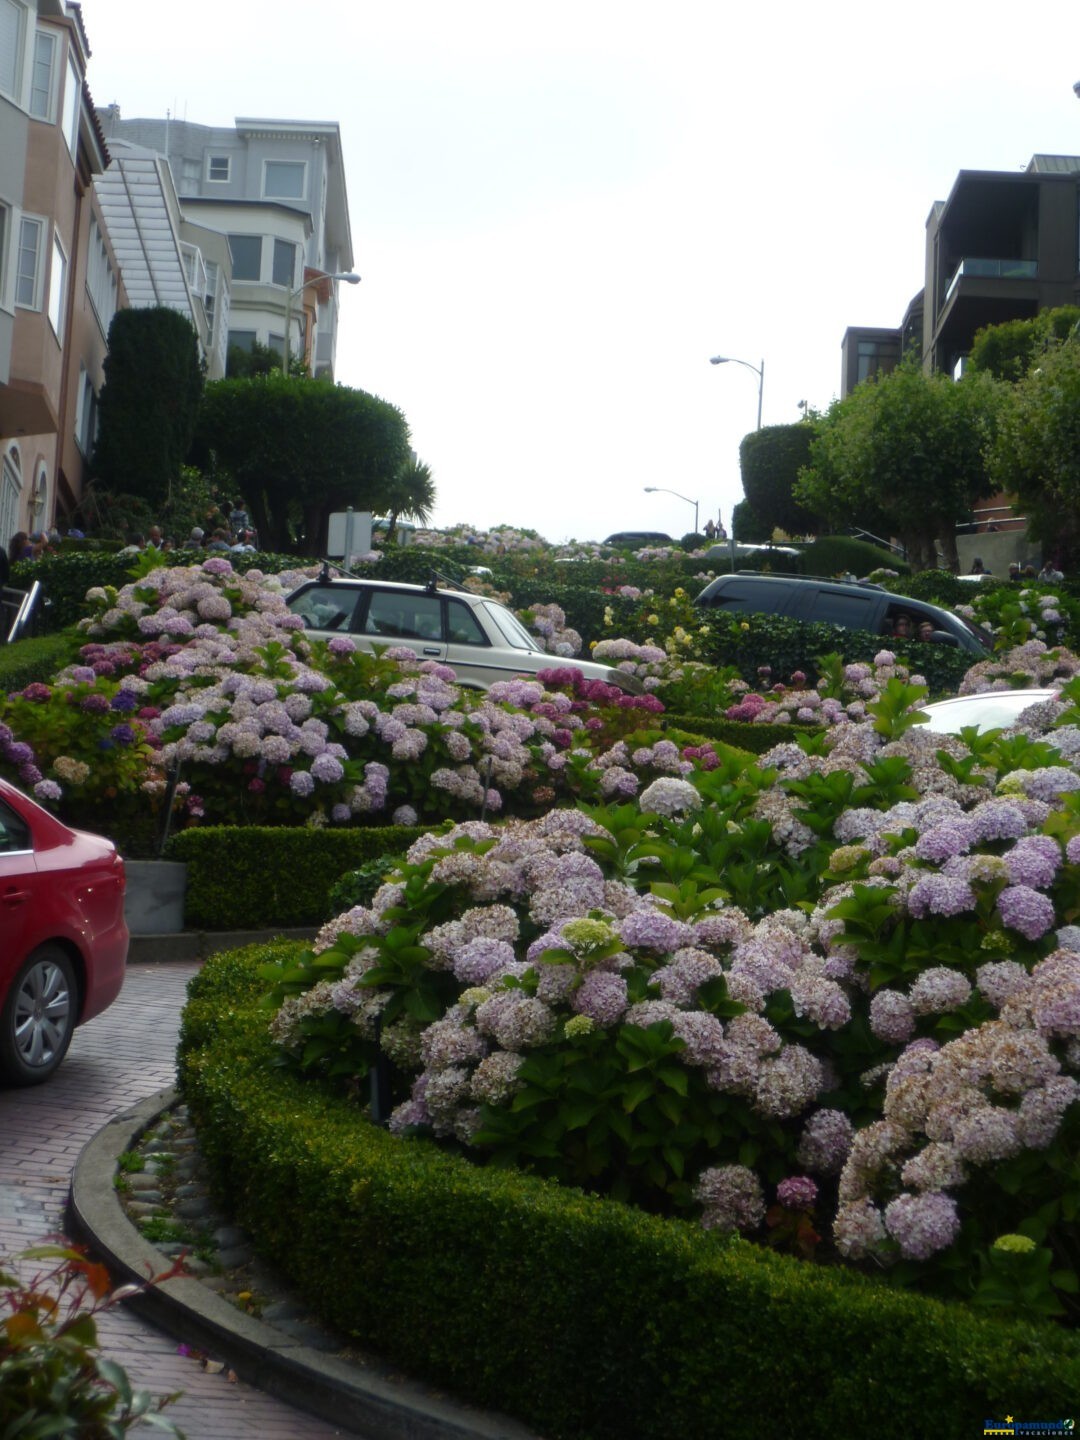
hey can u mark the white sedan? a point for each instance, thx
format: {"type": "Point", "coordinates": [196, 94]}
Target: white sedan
{"type": "Point", "coordinates": [990, 710]}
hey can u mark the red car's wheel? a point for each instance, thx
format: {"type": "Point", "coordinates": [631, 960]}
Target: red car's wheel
{"type": "Point", "coordinates": [38, 1018]}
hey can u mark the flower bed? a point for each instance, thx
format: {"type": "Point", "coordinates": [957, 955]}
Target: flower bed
{"type": "Point", "coordinates": [829, 997]}
{"type": "Point", "coordinates": [585, 1318]}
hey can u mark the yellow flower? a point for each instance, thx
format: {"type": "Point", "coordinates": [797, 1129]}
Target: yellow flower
{"type": "Point", "coordinates": [652, 619]}
{"type": "Point", "coordinates": [745, 625]}
{"type": "Point", "coordinates": [680, 593]}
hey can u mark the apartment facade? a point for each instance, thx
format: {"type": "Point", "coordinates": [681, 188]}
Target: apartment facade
{"type": "Point", "coordinates": [276, 190]}
{"type": "Point", "coordinates": [59, 278]}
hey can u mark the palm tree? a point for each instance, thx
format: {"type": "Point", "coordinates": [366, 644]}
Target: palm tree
{"type": "Point", "coordinates": [411, 493]}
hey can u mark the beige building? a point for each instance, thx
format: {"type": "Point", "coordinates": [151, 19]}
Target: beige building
{"type": "Point", "coordinates": [59, 279]}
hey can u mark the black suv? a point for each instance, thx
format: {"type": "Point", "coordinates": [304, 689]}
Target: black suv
{"type": "Point", "coordinates": [855, 605]}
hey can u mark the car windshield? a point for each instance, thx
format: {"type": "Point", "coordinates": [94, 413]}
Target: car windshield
{"type": "Point", "coordinates": [510, 627]}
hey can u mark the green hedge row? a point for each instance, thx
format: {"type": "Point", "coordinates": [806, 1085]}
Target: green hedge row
{"type": "Point", "coordinates": [36, 658]}
{"type": "Point", "coordinates": [787, 645]}
{"type": "Point", "coordinates": [754, 738]}
{"type": "Point", "coordinates": [249, 876]}
{"type": "Point", "coordinates": [584, 1318]}
{"type": "Point", "coordinates": [68, 575]}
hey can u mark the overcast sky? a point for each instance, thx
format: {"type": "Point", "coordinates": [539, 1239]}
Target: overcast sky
{"type": "Point", "coordinates": [561, 211]}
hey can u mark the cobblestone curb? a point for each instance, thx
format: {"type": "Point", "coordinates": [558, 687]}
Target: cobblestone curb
{"type": "Point", "coordinates": [344, 1392]}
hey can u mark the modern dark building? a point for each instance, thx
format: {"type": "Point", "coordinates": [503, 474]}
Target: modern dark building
{"type": "Point", "coordinates": [1003, 246]}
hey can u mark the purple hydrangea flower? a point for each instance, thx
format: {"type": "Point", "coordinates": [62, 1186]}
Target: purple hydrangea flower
{"type": "Point", "coordinates": [797, 1192]}
{"type": "Point", "coordinates": [922, 1224]}
{"type": "Point", "coordinates": [1027, 910]}
{"type": "Point", "coordinates": [940, 895]}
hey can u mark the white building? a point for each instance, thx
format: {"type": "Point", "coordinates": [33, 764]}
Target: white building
{"type": "Point", "coordinates": [276, 189]}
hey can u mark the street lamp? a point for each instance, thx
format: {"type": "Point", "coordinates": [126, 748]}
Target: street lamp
{"type": "Point", "coordinates": [659, 489]}
{"type": "Point", "coordinates": [759, 371]}
{"type": "Point", "coordinates": [349, 276]}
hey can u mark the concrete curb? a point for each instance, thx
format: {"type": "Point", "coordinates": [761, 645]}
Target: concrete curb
{"type": "Point", "coordinates": [323, 1385]}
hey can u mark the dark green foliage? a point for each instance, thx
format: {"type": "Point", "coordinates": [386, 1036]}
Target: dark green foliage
{"type": "Point", "coordinates": [153, 380]}
{"type": "Point", "coordinates": [357, 887]}
{"type": "Point", "coordinates": [300, 449]}
{"type": "Point", "coordinates": [246, 876]}
{"type": "Point", "coordinates": [770, 461]}
{"type": "Point", "coordinates": [840, 554]}
{"type": "Point", "coordinates": [940, 587]}
{"type": "Point", "coordinates": [1008, 351]}
{"type": "Point", "coordinates": [747, 526]}
{"type": "Point", "coordinates": [586, 1319]}
{"type": "Point", "coordinates": [37, 658]}
{"type": "Point", "coordinates": [412, 562]}
{"type": "Point", "coordinates": [789, 645]}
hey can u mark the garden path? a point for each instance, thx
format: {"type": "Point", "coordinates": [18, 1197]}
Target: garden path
{"type": "Point", "coordinates": [119, 1058]}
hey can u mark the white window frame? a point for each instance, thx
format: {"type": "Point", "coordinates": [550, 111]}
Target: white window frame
{"type": "Point", "coordinates": [48, 113]}
{"type": "Point", "coordinates": [11, 484]}
{"type": "Point", "coordinates": [211, 161]}
{"type": "Point", "coordinates": [22, 19]}
{"type": "Point", "coordinates": [58, 261]}
{"type": "Point", "coordinates": [101, 284]}
{"type": "Point", "coordinates": [269, 194]}
{"type": "Point", "coordinates": [37, 223]}
{"type": "Point", "coordinates": [7, 279]}
{"type": "Point", "coordinates": [72, 105]}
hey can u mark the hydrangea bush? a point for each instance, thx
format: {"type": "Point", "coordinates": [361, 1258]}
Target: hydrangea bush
{"type": "Point", "coordinates": [831, 999]}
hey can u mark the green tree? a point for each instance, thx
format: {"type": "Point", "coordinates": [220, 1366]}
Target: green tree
{"type": "Point", "coordinates": [770, 461]}
{"type": "Point", "coordinates": [411, 494]}
{"type": "Point", "coordinates": [1009, 350]}
{"type": "Point", "coordinates": [300, 449]}
{"type": "Point", "coordinates": [1036, 452]}
{"type": "Point", "coordinates": [149, 402]}
{"type": "Point", "coordinates": [904, 455]}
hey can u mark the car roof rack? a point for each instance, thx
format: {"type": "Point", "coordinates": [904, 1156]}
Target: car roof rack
{"type": "Point", "coordinates": [328, 565]}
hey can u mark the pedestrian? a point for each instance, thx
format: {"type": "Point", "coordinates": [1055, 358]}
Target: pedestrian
{"type": "Point", "coordinates": [710, 529]}
{"type": "Point", "coordinates": [977, 567]}
{"type": "Point", "coordinates": [195, 539]}
{"type": "Point", "coordinates": [219, 540]}
{"type": "Point", "coordinates": [1014, 570]}
{"type": "Point", "coordinates": [154, 538]}
{"type": "Point", "coordinates": [238, 519]}
{"type": "Point", "coordinates": [19, 547]}
{"type": "Point", "coordinates": [1050, 574]}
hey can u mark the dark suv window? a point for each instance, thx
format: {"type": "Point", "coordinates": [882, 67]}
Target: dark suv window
{"type": "Point", "coordinates": [762, 597]}
{"type": "Point", "coordinates": [852, 608]}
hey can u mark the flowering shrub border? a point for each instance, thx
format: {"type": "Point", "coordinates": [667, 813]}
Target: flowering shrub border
{"type": "Point", "coordinates": [582, 1317]}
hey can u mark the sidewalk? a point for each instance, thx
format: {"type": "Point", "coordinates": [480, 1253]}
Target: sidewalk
{"type": "Point", "coordinates": [115, 1061]}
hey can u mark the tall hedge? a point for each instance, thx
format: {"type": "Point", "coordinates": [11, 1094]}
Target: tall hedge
{"type": "Point", "coordinates": [149, 402]}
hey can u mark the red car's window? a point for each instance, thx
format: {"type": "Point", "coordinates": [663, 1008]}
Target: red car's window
{"type": "Point", "coordinates": [14, 831]}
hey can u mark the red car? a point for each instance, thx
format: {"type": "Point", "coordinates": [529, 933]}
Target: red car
{"type": "Point", "coordinates": [63, 938]}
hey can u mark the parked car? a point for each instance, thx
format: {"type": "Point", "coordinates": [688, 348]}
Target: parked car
{"type": "Point", "coordinates": [854, 604]}
{"type": "Point", "coordinates": [63, 938]}
{"type": "Point", "coordinates": [636, 539]}
{"type": "Point", "coordinates": [990, 710]}
{"type": "Point", "coordinates": [480, 639]}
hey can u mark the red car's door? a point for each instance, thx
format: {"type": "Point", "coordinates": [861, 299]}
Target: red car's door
{"type": "Point", "coordinates": [23, 901]}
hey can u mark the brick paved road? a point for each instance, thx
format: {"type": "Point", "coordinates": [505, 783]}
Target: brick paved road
{"type": "Point", "coordinates": [115, 1060]}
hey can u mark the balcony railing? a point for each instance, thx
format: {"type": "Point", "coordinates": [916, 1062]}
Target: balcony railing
{"type": "Point", "coordinates": [995, 269]}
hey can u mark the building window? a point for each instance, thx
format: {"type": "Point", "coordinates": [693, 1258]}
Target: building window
{"type": "Point", "coordinates": [218, 167]}
{"type": "Point", "coordinates": [28, 269]}
{"type": "Point", "coordinates": [5, 231]}
{"type": "Point", "coordinates": [242, 340]}
{"type": "Point", "coordinates": [10, 490]}
{"type": "Point", "coordinates": [284, 179]}
{"type": "Point", "coordinates": [246, 256]}
{"type": "Point", "coordinates": [11, 32]}
{"type": "Point", "coordinates": [210, 298]}
{"type": "Point", "coordinates": [100, 278]}
{"type": "Point", "coordinates": [284, 262]}
{"type": "Point", "coordinates": [86, 414]}
{"type": "Point", "coordinates": [39, 501]}
{"type": "Point", "coordinates": [41, 85]}
{"type": "Point", "coordinates": [57, 286]}
{"type": "Point", "coordinates": [72, 95]}
{"type": "Point", "coordinates": [189, 175]}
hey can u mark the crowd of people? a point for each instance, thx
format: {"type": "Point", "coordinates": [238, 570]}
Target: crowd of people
{"type": "Point", "coordinates": [222, 533]}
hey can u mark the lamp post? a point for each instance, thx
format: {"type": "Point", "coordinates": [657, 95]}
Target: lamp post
{"type": "Point", "coordinates": [759, 371]}
{"type": "Point", "coordinates": [659, 489]}
{"type": "Point", "coordinates": [349, 276]}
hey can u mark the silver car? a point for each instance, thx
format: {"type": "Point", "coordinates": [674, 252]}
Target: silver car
{"type": "Point", "coordinates": [480, 639]}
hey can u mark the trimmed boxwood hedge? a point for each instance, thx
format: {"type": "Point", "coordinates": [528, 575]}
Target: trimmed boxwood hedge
{"type": "Point", "coordinates": [584, 1318]}
{"type": "Point", "coordinates": [754, 738]}
{"type": "Point", "coordinates": [245, 876]}
{"type": "Point", "coordinates": [38, 657]}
